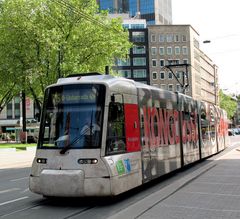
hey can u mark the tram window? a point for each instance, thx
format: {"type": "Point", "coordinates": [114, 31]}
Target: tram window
{"type": "Point", "coordinates": [116, 141]}
{"type": "Point", "coordinates": [204, 124]}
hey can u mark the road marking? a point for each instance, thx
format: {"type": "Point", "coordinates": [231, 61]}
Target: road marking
{"type": "Point", "coordinates": [15, 200]}
{"type": "Point", "coordinates": [14, 180]}
{"type": "Point", "coordinates": [26, 190]}
{"type": "Point", "coordinates": [9, 190]}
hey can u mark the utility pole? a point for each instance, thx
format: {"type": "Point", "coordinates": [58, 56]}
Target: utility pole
{"type": "Point", "coordinates": [185, 77]}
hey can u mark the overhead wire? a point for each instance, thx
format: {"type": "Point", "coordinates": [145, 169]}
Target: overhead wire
{"type": "Point", "coordinates": [87, 17]}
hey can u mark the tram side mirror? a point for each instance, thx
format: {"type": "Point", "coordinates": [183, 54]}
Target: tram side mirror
{"type": "Point", "coordinates": [113, 111]}
{"type": "Point", "coordinates": [113, 98]}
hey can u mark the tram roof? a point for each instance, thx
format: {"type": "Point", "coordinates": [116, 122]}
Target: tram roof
{"type": "Point", "coordinates": [109, 80]}
{"type": "Point", "coordinates": [113, 82]}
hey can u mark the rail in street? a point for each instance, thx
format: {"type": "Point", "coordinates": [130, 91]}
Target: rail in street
{"type": "Point", "coordinates": [208, 189]}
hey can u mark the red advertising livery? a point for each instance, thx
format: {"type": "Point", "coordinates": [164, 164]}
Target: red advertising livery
{"type": "Point", "coordinates": [101, 135]}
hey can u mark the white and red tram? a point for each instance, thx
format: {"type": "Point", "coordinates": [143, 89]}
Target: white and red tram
{"type": "Point", "coordinates": [101, 135]}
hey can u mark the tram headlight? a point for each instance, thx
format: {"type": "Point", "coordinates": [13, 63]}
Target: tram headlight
{"type": "Point", "coordinates": [42, 160]}
{"type": "Point", "coordinates": [88, 161]}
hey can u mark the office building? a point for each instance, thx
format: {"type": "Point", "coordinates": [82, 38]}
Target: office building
{"type": "Point", "coordinates": [177, 46]}
{"type": "Point", "coordinates": [154, 11]}
{"type": "Point", "coordinates": [136, 64]}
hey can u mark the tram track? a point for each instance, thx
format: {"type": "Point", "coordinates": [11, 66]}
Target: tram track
{"type": "Point", "coordinates": [78, 213]}
{"type": "Point", "coordinates": [24, 209]}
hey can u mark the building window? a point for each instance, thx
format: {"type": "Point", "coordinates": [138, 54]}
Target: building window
{"type": "Point", "coordinates": [139, 61]}
{"type": "Point", "coordinates": [177, 61]}
{"type": "Point", "coordinates": [169, 38]}
{"type": "Point", "coordinates": [153, 38]}
{"type": "Point", "coordinates": [170, 75]}
{"type": "Point", "coordinates": [178, 88]}
{"type": "Point", "coordinates": [126, 26]}
{"type": "Point", "coordinates": [196, 43]}
{"type": "Point", "coordinates": [154, 75]}
{"type": "Point", "coordinates": [162, 62]}
{"type": "Point", "coordinates": [139, 49]}
{"type": "Point", "coordinates": [184, 38]}
{"type": "Point", "coordinates": [154, 50]}
{"type": "Point", "coordinates": [161, 51]}
{"type": "Point", "coordinates": [185, 61]}
{"type": "Point", "coordinates": [177, 39]}
{"type": "Point", "coordinates": [163, 86]}
{"type": "Point", "coordinates": [169, 50]}
{"type": "Point", "coordinates": [161, 38]}
{"type": "Point", "coordinates": [10, 110]}
{"type": "Point", "coordinates": [139, 73]}
{"type": "Point", "coordinates": [170, 62]}
{"type": "Point", "coordinates": [125, 73]}
{"type": "Point", "coordinates": [178, 74]}
{"type": "Point", "coordinates": [123, 62]}
{"type": "Point", "coordinates": [162, 75]}
{"type": "Point", "coordinates": [170, 87]}
{"type": "Point", "coordinates": [137, 26]}
{"type": "Point", "coordinates": [154, 62]}
{"type": "Point", "coordinates": [138, 37]}
{"type": "Point", "coordinates": [184, 50]}
{"type": "Point", "coordinates": [17, 107]}
{"type": "Point", "coordinates": [177, 50]}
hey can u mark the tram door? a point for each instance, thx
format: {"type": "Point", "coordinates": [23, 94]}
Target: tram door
{"type": "Point", "coordinates": [145, 103]}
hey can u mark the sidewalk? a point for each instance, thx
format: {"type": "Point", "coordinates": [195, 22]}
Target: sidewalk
{"type": "Point", "coordinates": [212, 191]}
{"type": "Point", "coordinates": [16, 159]}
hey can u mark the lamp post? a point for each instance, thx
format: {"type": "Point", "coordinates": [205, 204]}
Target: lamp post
{"type": "Point", "coordinates": [215, 79]}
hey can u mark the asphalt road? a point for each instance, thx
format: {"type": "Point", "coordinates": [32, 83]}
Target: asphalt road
{"type": "Point", "coordinates": [16, 201]}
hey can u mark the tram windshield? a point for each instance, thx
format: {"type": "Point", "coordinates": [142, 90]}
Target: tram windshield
{"type": "Point", "coordinates": [72, 117]}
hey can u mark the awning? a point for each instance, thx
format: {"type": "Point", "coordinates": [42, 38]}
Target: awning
{"type": "Point", "coordinates": [9, 122]}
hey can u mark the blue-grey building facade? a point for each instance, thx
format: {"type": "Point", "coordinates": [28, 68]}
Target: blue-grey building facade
{"type": "Point", "coordinates": [136, 64]}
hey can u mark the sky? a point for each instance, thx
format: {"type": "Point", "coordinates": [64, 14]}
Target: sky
{"type": "Point", "coordinates": [217, 21]}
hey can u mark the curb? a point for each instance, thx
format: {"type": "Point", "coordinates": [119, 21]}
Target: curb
{"type": "Point", "coordinates": [15, 150]}
{"type": "Point", "coordinates": [31, 148]}
{"type": "Point", "coordinates": [7, 150]}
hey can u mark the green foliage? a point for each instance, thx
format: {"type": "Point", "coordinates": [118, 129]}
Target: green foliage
{"type": "Point", "coordinates": [42, 40]}
{"type": "Point", "coordinates": [228, 104]}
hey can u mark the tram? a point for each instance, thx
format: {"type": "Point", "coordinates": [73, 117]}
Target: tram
{"type": "Point", "coordinates": [101, 135]}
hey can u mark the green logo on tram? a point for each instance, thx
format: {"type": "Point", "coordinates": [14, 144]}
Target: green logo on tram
{"type": "Point", "coordinates": [120, 167]}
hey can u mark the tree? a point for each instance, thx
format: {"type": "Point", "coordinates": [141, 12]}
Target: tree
{"type": "Point", "coordinates": [228, 104]}
{"type": "Point", "coordinates": [42, 40]}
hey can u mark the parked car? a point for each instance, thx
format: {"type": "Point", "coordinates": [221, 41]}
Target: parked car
{"type": "Point", "coordinates": [231, 132]}
{"type": "Point", "coordinates": [236, 131]}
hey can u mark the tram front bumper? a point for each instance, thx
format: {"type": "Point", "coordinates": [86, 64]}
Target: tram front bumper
{"type": "Point", "coordinates": [68, 183]}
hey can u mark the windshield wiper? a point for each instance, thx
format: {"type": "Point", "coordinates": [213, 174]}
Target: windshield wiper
{"type": "Point", "coordinates": [68, 146]}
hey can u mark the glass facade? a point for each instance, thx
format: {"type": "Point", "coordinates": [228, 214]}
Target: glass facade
{"type": "Point", "coordinates": [154, 11]}
{"type": "Point", "coordinates": [136, 66]}
{"type": "Point", "coordinates": [114, 6]}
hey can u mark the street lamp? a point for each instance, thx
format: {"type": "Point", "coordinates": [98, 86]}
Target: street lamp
{"type": "Point", "coordinates": [207, 41]}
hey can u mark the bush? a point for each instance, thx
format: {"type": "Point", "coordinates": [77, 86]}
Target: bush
{"type": "Point", "coordinates": [12, 136]}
